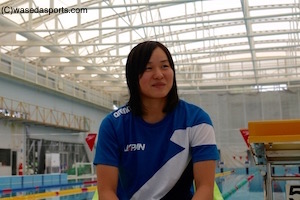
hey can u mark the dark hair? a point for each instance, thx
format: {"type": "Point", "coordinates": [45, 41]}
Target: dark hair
{"type": "Point", "coordinates": [136, 66]}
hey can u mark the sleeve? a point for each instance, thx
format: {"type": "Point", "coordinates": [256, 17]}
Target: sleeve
{"type": "Point", "coordinates": [202, 139]}
{"type": "Point", "coordinates": [107, 149]}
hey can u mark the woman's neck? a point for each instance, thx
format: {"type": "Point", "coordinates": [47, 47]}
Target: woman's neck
{"type": "Point", "coordinates": [153, 111]}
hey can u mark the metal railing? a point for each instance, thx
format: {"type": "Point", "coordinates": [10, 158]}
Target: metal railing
{"type": "Point", "coordinates": [27, 72]}
{"type": "Point", "coordinates": [19, 111]}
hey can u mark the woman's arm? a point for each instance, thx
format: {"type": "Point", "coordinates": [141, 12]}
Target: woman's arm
{"type": "Point", "coordinates": [107, 182]}
{"type": "Point", "coordinates": [204, 175]}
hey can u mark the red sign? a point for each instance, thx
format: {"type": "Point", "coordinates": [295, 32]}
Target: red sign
{"type": "Point", "coordinates": [245, 134]}
{"type": "Point", "coordinates": [90, 140]}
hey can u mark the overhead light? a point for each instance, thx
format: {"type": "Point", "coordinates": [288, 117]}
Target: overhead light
{"type": "Point", "coordinates": [63, 59]}
{"type": "Point", "coordinates": [94, 75]}
{"type": "Point", "coordinates": [20, 38]}
{"type": "Point", "coordinates": [44, 50]}
{"type": "Point", "coordinates": [116, 75]}
{"type": "Point", "coordinates": [115, 107]}
{"type": "Point", "coordinates": [80, 68]}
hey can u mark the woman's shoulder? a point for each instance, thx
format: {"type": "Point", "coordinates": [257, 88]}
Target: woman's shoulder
{"type": "Point", "coordinates": [121, 112]}
{"type": "Point", "coordinates": [189, 106]}
{"type": "Point", "coordinates": [117, 117]}
{"type": "Point", "coordinates": [192, 112]}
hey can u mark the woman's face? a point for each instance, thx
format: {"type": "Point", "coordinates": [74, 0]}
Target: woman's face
{"type": "Point", "coordinates": [157, 79]}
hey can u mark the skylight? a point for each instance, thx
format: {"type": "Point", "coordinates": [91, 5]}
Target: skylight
{"type": "Point", "coordinates": [212, 43]}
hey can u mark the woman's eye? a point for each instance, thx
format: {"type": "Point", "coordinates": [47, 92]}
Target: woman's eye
{"type": "Point", "coordinates": [148, 68]}
{"type": "Point", "coordinates": [165, 66]}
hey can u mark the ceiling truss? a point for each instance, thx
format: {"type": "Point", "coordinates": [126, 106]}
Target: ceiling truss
{"type": "Point", "coordinates": [236, 48]}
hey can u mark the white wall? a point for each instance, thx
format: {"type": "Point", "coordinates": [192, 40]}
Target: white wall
{"type": "Point", "coordinates": [11, 137]}
{"type": "Point", "coordinates": [12, 133]}
{"type": "Point", "coordinates": [229, 113]}
{"type": "Point", "coordinates": [232, 112]}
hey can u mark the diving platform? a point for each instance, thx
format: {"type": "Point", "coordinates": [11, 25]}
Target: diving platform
{"type": "Point", "coordinates": [272, 143]}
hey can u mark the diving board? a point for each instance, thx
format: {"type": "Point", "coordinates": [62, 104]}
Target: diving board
{"type": "Point", "coordinates": [275, 142]}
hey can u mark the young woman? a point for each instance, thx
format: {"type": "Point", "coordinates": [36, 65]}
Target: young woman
{"type": "Point", "coordinates": [156, 145]}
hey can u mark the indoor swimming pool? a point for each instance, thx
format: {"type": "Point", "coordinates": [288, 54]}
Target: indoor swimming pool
{"type": "Point", "coordinates": [234, 184]}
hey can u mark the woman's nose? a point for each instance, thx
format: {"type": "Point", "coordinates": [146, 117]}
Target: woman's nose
{"type": "Point", "coordinates": [158, 74]}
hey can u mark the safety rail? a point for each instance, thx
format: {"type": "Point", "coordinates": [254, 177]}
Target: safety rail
{"type": "Point", "coordinates": [24, 112]}
{"type": "Point", "coordinates": [34, 74]}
